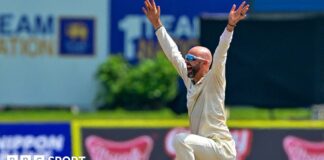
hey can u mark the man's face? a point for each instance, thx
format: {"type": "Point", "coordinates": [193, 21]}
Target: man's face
{"type": "Point", "coordinates": [193, 66]}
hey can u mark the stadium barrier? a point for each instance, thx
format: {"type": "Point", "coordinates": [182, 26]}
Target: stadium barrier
{"type": "Point", "coordinates": [152, 139]}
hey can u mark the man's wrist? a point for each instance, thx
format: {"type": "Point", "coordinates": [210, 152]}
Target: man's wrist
{"type": "Point", "coordinates": [231, 25]}
{"type": "Point", "coordinates": [158, 27]}
{"type": "Point", "coordinates": [229, 28]}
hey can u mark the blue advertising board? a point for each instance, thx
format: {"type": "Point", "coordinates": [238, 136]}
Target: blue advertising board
{"type": "Point", "coordinates": [50, 52]}
{"type": "Point", "coordinates": [132, 34]}
{"type": "Point", "coordinates": [48, 139]}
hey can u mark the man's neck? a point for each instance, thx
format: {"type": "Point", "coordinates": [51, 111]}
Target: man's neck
{"type": "Point", "coordinates": [199, 76]}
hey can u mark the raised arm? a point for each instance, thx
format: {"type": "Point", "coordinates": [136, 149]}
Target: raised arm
{"type": "Point", "coordinates": [236, 16]}
{"type": "Point", "coordinates": [219, 60]}
{"type": "Point", "coordinates": [152, 13]}
{"type": "Point", "coordinates": [169, 47]}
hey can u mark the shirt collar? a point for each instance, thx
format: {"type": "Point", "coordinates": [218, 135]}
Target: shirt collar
{"type": "Point", "coordinates": [199, 82]}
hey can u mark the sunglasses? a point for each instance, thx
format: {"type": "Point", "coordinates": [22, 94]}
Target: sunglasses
{"type": "Point", "coordinates": [190, 57]}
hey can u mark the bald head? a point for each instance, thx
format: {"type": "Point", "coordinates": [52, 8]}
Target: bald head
{"type": "Point", "coordinates": [202, 52]}
{"type": "Point", "coordinates": [199, 68]}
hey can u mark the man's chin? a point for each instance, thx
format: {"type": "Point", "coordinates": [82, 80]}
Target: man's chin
{"type": "Point", "coordinates": [190, 75]}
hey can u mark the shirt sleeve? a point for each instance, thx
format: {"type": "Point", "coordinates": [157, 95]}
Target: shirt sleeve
{"type": "Point", "coordinates": [172, 52]}
{"type": "Point", "coordinates": [220, 56]}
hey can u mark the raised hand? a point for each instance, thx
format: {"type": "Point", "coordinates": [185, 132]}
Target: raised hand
{"type": "Point", "coordinates": [237, 15]}
{"type": "Point", "coordinates": [152, 12]}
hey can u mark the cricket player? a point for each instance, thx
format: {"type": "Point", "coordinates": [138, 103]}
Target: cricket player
{"type": "Point", "coordinates": [209, 137]}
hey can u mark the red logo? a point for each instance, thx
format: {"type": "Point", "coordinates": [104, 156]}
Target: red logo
{"type": "Point", "coordinates": [243, 142]}
{"type": "Point", "coordinates": [300, 149]}
{"type": "Point", "coordinates": [102, 149]}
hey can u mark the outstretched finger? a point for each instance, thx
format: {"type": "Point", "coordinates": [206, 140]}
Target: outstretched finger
{"type": "Point", "coordinates": [239, 10]}
{"type": "Point", "coordinates": [159, 9]}
{"type": "Point", "coordinates": [245, 9]}
{"type": "Point", "coordinates": [148, 5]}
{"type": "Point", "coordinates": [153, 4]}
{"type": "Point", "coordinates": [144, 10]}
{"type": "Point", "coordinates": [233, 8]}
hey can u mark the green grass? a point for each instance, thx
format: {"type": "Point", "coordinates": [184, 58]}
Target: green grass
{"type": "Point", "coordinates": [246, 113]}
{"type": "Point", "coordinates": [66, 115]}
{"type": "Point", "coordinates": [235, 113]}
{"type": "Point", "coordinates": [297, 113]}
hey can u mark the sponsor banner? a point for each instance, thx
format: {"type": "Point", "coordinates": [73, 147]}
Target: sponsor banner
{"type": "Point", "coordinates": [50, 51]}
{"type": "Point", "coordinates": [138, 143]}
{"type": "Point", "coordinates": [132, 34]}
{"type": "Point", "coordinates": [293, 144]}
{"type": "Point", "coordinates": [118, 144]}
{"type": "Point", "coordinates": [43, 139]}
{"type": "Point", "coordinates": [43, 157]}
{"type": "Point", "coordinates": [145, 144]}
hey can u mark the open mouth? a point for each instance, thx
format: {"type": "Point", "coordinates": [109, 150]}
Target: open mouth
{"type": "Point", "coordinates": [189, 69]}
{"type": "Point", "coordinates": [190, 72]}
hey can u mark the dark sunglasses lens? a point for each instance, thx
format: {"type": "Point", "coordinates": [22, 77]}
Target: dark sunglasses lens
{"type": "Point", "coordinates": [190, 57]}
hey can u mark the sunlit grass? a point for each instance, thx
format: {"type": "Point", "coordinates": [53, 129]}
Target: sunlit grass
{"type": "Point", "coordinates": [245, 113]}
{"type": "Point", "coordinates": [66, 115]}
{"type": "Point", "coordinates": [235, 113]}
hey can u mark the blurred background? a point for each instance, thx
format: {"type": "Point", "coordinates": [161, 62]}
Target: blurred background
{"type": "Point", "coordinates": [88, 78]}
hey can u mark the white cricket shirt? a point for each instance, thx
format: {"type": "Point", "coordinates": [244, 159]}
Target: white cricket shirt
{"type": "Point", "coordinates": [205, 99]}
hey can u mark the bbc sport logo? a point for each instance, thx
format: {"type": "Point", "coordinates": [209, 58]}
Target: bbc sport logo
{"type": "Point", "coordinates": [43, 157]}
{"type": "Point", "coordinates": [77, 36]}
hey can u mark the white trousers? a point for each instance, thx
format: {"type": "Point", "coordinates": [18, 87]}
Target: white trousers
{"type": "Point", "coordinates": [194, 147]}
